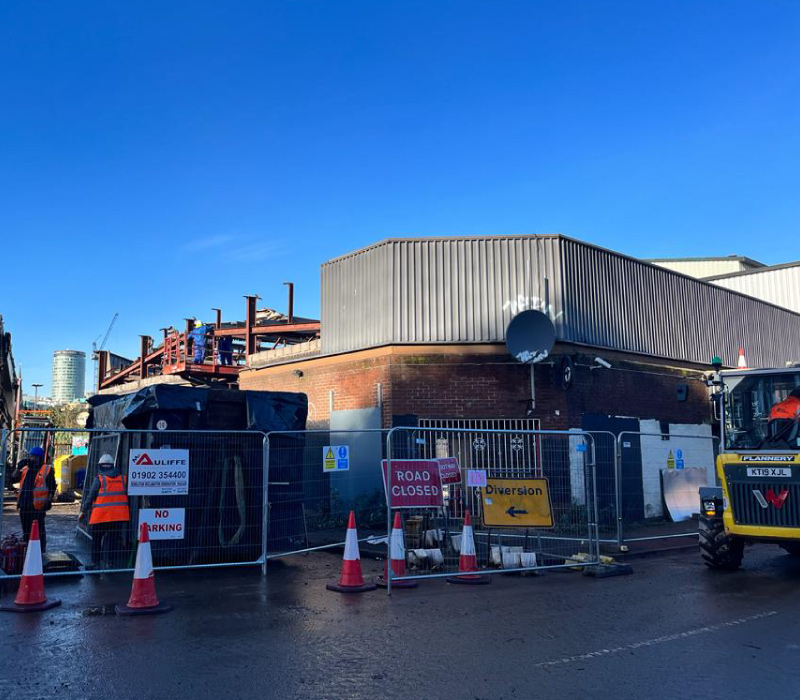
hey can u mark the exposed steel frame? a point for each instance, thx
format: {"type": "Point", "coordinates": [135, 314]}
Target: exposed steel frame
{"type": "Point", "coordinates": [172, 357]}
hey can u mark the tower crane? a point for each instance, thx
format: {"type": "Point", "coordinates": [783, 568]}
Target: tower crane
{"type": "Point", "coordinates": [97, 350]}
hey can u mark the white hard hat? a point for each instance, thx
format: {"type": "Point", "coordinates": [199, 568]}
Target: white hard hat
{"type": "Point", "coordinates": [106, 459]}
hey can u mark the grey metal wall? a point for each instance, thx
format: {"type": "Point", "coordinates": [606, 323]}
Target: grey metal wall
{"type": "Point", "coordinates": [778, 285]}
{"type": "Point", "coordinates": [466, 290]}
{"type": "Point", "coordinates": [437, 290]}
{"type": "Point", "coordinates": [616, 302]}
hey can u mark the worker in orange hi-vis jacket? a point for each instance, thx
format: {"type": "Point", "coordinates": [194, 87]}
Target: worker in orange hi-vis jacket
{"type": "Point", "coordinates": [37, 487]}
{"type": "Point", "coordinates": [110, 514]}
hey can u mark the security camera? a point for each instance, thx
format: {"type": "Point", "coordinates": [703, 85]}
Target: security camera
{"type": "Point", "coordinates": [603, 363]}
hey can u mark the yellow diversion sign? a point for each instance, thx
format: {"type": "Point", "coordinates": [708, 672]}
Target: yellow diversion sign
{"type": "Point", "coordinates": [517, 503]}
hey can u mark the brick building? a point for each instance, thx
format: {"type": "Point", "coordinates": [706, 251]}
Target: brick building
{"type": "Point", "coordinates": [414, 329]}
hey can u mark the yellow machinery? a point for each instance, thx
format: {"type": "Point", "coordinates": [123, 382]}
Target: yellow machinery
{"type": "Point", "coordinates": [758, 468]}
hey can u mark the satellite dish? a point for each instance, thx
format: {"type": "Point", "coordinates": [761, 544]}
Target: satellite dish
{"type": "Point", "coordinates": [81, 419]}
{"type": "Point", "coordinates": [530, 336]}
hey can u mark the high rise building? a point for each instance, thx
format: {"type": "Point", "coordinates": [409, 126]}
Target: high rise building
{"type": "Point", "coordinates": [69, 375]}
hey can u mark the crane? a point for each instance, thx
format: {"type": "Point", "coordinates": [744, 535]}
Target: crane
{"type": "Point", "coordinates": [96, 350]}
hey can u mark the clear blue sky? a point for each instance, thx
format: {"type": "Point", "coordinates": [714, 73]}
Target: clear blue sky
{"type": "Point", "coordinates": [161, 158]}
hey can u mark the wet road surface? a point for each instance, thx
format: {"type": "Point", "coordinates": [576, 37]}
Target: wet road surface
{"type": "Point", "coordinates": [671, 630]}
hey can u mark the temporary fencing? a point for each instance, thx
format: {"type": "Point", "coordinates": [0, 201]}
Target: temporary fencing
{"type": "Point", "coordinates": [202, 493]}
{"type": "Point", "coordinates": [316, 477]}
{"type": "Point", "coordinates": [526, 515]}
{"type": "Point", "coordinates": [657, 480]}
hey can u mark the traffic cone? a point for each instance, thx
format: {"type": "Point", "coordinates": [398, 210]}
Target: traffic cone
{"type": "Point", "coordinates": [397, 557]}
{"type": "Point", "coordinates": [742, 364]}
{"type": "Point", "coordinates": [30, 596]}
{"type": "Point", "coordinates": [143, 600]}
{"type": "Point", "coordinates": [467, 560]}
{"type": "Point", "coordinates": [351, 580]}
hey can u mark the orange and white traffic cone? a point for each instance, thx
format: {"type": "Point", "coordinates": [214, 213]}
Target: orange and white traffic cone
{"type": "Point", "coordinates": [30, 596]}
{"type": "Point", "coordinates": [398, 558]}
{"type": "Point", "coordinates": [351, 580]}
{"type": "Point", "coordinates": [143, 600]}
{"type": "Point", "coordinates": [742, 363]}
{"type": "Point", "coordinates": [468, 561]}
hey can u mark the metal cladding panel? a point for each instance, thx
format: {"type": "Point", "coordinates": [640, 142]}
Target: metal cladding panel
{"type": "Point", "coordinates": [623, 304]}
{"type": "Point", "coordinates": [356, 301]}
{"type": "Point", "coordinates": [462, 290]}
{"type": "Point", "coordinates": [778, 286]}
{"type": "Point", "coordinates": [703, 268]}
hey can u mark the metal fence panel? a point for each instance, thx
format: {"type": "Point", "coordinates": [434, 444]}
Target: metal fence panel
{"type": "Point", "coordinates": [659, 456]}
{"type": "Point", "coordinates": [316, 477]}
{"type": "Point", "coordinates": [215, 519]}
{"type": "Point", "coordinates": [563, 460]}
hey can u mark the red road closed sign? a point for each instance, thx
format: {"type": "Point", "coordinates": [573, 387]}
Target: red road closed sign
{"type": "Point", "coordinates": [414, 483]}
{"type": "Point", "coordinates": [449, 471]}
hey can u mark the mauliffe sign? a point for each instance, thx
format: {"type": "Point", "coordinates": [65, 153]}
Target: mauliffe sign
{"type": "Point", "coordinates": [414, 483]}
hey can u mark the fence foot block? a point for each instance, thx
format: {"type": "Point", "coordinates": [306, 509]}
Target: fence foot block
{"type": "Point", "coordinates": [608, 570]}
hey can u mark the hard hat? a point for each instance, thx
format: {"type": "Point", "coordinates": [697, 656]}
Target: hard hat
{"type": "Point", "coordinates": [197, 324]}
{"type": "Point", "coordinates": [37, 452]}
{"type": "Point", "coordinates": [106, 459]}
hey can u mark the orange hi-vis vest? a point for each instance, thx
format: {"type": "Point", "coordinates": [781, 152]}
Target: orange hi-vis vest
{"type": "Point", "coordinates": [788, 409]}
{"type": "Point", "coordinates": [111, 503]}
{"type": "Point", "coordinates": [41, 493]}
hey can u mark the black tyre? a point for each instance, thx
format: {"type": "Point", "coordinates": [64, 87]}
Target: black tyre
{"type": "Point", "coordinates": [719, 551]}
{"type": "Point", "coordinates": [792, 548]}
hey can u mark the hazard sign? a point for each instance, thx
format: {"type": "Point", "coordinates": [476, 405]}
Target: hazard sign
{"type": "Point", "coordinates": [517, 503]}
{"type": "Point", "coordinates": [336, 458]}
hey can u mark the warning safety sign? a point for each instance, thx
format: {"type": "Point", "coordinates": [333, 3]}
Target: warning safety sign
{"type": "Point", "coordinates": [517, 503]}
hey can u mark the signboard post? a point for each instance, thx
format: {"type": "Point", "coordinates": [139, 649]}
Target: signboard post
{"type": "Point", "coordinates": [414, 483]}
{"type": "Point", "coordinates": [517, 503]}
{"type": "Point", "coordinates": [162, 472]}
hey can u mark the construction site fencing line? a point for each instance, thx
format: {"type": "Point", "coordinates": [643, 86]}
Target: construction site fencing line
{"type": "Point", "coordinates": [435, 475]}
{"type": "Point", "coordinates": [204, 494]}
{"type": "Point", "coordinates": [703, 454]}
{"type": "Point", "coordinates": [311, 496]}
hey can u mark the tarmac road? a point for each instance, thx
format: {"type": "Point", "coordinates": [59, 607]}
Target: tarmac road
{"type": "Point", "coordinates": [671, 630]}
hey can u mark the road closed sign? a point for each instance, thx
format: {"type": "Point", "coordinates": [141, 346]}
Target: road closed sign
{"type": "Point", "coordinates": [517, 503]}
{"type": "Point", "coordinates": [164, 523]}
{"type": "Point", "coordinates": [158, 472]}
{"type": "Point", "coordinates": [414, 483]}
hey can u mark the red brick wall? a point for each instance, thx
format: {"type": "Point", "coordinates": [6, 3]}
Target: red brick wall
{"type": "Point", "coordinates": [354, 385]}
{"type": "Point", "coordinates": [440, 383]}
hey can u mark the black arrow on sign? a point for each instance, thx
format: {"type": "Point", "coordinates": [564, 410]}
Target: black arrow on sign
{"type": "Point", "coordinates": [513, 512]}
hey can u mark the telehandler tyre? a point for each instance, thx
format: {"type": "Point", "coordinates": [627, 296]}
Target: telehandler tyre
{"type": "Point", "coordinates": [719, 551]}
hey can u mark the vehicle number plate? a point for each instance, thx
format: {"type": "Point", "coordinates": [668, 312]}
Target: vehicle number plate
{"type": "Point", "coordinates": [774, 472]}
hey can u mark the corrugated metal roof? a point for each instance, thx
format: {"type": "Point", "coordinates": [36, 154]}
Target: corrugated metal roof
{"type": "Point", "coordinates": [466, 290]}
{"type": "Point", "coordinates": [779, 284]}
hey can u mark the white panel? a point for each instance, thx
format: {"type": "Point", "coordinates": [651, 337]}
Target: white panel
{"type": "Point", "coordinates": [655, 452]}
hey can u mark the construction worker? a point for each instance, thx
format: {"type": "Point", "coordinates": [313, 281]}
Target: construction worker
{"type": "Point", "coordinates": [784, 420]}
{"type": "Point", "coordinates": [225, 350]}
{"type": "Point", "coordinates": [198, 336]}
{"type": "Point", "coordinates": [108, 501]}
{"type": "Point", "coordinates": [37, 487]}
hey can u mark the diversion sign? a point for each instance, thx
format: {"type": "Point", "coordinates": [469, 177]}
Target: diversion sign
{"type": "Point", "coordinates": [517, 503]}
{"type": "Point", "coordinates": [158, 472]}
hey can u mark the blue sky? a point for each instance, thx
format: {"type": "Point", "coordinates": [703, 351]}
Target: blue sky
{"type": "Point", "coordinates": [161, 158]}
